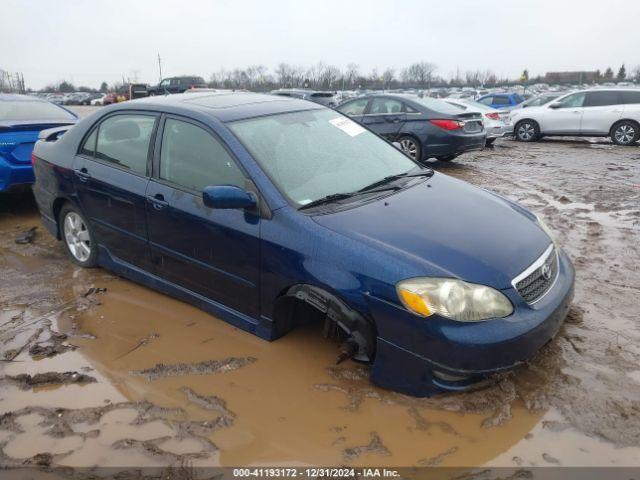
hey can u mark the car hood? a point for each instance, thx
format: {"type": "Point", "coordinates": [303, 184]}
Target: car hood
{"type": "Point", "coordinates": [450, 228]}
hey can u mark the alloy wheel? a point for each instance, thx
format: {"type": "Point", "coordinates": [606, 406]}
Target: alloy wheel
{"type": "Point", "coordinates": [625, 133]}
{"type": "Point", "coordinates": [526, 131]}
{"type": "Point", "coordinates": [77, 237]}
{"type": "Point", "coordinates": [409, 147]}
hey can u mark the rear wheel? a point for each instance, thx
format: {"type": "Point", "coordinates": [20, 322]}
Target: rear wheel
{"type": "Point", "coordinates": [489, 142]}
{"type": "Point", "coordinates": [625, 133]}
{"type": "Point", "coordinates": [527, 131]}
{"type": "Point", "coordinates": [411, 147]}
{"type": "Point", "coordinates": [77, 237]}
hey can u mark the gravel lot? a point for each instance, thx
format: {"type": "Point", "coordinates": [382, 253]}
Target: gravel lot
{"type": "Point", "coordinates": [128, 377]}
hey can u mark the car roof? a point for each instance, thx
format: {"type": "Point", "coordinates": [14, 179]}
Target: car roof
{"type": "Point", "coordinates": [223, 106]}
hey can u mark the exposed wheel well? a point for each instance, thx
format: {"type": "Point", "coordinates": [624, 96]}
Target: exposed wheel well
{"type": "Point", "coordinates": [618, 122]}
{"type": "Point", "coordinates": [303, 303]}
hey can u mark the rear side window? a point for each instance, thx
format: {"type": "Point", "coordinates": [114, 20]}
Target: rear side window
{"type": "Point", "coordinates": [385, 106]}
{"type": "Point", "coordinates": [124, 141]}
{"type": "Point", "coordinates": [193, 158]}
{"type": "Point", "coordinates": [355, 107]}
{"type": "Point", "coordinates": [501, 101]}
{"type": "Point", "coordinates": [89, 145]}
{"type": "Point", "coordinates": [630, 97]}
{"type": "Point", "coordinates": [486, 100]}
{"type": "Point", "coordinates": [602, 99]}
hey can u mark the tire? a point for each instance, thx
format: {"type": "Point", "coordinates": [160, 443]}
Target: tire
{"type": "Point", "coordinates": [77, 237]}
{"type": "Point", "coordinates": [527, 131]}
{"type": "Point", "coordinates": [446, 158]}
{"type": "Point", "coordinates": [625, 133]}
{"type": "Point", "coordinates": [411, 147]}
{"type": "Point", "coordinates": [490, 142]}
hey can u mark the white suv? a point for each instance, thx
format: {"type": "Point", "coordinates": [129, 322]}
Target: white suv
{"type": "Point", "coordinates": [611, 113]}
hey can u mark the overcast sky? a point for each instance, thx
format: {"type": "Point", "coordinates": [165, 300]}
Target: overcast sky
{"type": "Point", "coordinates": [91, 41]}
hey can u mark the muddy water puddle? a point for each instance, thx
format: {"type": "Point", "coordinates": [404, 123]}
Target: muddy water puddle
{"type": "Point", "coordinates": [129, 377]}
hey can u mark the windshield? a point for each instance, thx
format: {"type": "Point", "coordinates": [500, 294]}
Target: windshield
{"type": "Point", "coordinates": [32, 110]}
{"type": "Point", "coordinates": [315, 153]}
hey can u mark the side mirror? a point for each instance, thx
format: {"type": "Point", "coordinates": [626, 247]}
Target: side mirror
{"type": "Point", "coordinates": [228, 197]}
{"type": "Point", "coordinates": [555, 106]}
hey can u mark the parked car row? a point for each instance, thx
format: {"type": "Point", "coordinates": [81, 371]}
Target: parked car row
{"type": "Point", "coordinates": [270, 211]}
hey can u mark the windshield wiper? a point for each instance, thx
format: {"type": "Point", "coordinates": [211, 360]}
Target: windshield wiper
{"type": "Point", "coordinates": [391, 178]}
{"type": "Point", "coordinates": [328, 199]}
{"type": "Point", "coordinates": [334, 197]}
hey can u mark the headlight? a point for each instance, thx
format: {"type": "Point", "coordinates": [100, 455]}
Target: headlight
{"type": "Point", "coordinates": [546, 229]}
{"type": "Point", "coordinates": [454, 299]}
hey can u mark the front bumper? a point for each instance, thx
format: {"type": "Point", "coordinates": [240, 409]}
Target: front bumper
{"type": "Point", "coordinates": [12, 174]}
{"type": "Point", "coordinates": [421, 356]}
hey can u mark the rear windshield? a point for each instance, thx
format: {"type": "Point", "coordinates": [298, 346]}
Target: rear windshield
{"type": "Point", "coordinates": [439, 106]}
{"type": "Point", "coordinates": [32, 110]}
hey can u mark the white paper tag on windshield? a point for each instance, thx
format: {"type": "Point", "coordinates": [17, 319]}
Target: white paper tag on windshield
{"type": "Point", "coordinates": [349, 127]}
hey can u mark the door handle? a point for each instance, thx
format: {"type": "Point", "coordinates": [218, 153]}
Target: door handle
{"type": "Point", "coordinates": [157, 201]}
{"type": "Point", "coordinates": [82, 174]}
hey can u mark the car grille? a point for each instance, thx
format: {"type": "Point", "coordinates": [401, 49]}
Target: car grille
{"type": "Point", "coordinates": [537, 280]}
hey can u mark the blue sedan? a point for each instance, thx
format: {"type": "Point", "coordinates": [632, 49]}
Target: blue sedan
{"type": "Point", "coordinates": [501, 100]}
{"type": "Point", "coordinates": [21, 119]}
{"type": "Point", "coordinates": [271, 212]}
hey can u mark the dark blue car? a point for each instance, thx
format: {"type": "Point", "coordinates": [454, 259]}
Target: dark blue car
{"type": "Point", "coordinates": [21, 119]}
{"type": "Point", "coordinates": [501, 100]}
{"type": "Point", "coordinates": [271, 212]}
{"type": "Point", "coordinates": [423, 127]}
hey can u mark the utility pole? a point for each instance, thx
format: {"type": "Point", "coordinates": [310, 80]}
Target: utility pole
{"type": "Point", "coordinates": [160, 67]}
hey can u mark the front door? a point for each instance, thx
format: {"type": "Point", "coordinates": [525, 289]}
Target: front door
{"type": "Point", "coordinates": [214, 253]}
{"type": "Point", "coordinates": [110, 176]}
{"type": "Point", "coordinates": [564, 116]}
{"type": "Point", "coordinates": [385, 116]}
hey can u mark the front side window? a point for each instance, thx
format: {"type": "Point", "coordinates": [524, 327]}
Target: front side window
{"type": "Point", "coordinates": [123, 140]}
{"type": "Point", "coordinates": [311, 154]}
{"type": "Point", "coordinates": [192, 158]}
{"type": "Point", "coordinates": [381, 106]}
{"type": "Point", "coordinates": [602, 99]}
{"type": "Point", "coordinates": [165, 83]}
{"type": "Point", "coordinates": [575, 100]}
{"type": "Point", "coordinates": [355, 107]}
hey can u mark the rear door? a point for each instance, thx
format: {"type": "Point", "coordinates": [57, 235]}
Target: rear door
{"type": "Point", "coordinates": [601, 110]}
{"type": "Point", "coordinates": [111, 177]}
{"type": "Point", "coordinates": [385, 116]}
{"type": "Point", "coordinates": [214, 253]}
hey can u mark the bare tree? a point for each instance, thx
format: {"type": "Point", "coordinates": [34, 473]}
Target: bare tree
{"type": "Point", "coordinates": [388, 76]}
{"type": "Point", "coordinates": [420, 73]}
{"type": "Point", "coordinates": [329, 76]}
{"type": "Point", "coordinates": [352, 73]}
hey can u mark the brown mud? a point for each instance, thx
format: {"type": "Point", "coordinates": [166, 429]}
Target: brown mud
{"type": "Point", "coordinates": [128, 377]}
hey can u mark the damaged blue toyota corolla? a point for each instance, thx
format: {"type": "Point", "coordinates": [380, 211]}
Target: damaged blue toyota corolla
{"type": "Point", "coordinates": [269, 212]}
